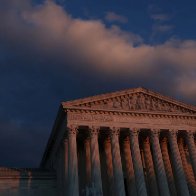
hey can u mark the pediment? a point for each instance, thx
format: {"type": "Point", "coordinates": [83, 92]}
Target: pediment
{"type": "Point", "coordinates": [138, 99]}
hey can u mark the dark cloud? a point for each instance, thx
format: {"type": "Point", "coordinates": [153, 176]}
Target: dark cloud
{"type": "Point", "coordinates": [47, 56]}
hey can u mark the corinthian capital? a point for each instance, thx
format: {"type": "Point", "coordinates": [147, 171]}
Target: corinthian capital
{"type": "Point", "coordinates": [173, 132]}
{"type": "Point", "coordinates": [114, 131]}
{"type": "Point", "coordinates": [72, 130]}
{"type": "Point", "coordinates": [134, 132]}
{"type": "Point", "coordinates": [190, 133]}
{"type": "Point", "coordinates": [155, 132]}
{"type": "Point", "coordinates": [94, 131]}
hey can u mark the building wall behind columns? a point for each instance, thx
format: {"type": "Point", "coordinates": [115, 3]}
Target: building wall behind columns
{"type": "Point", "coordinates": [18, 182]}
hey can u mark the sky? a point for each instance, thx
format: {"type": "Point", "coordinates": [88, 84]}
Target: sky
{"type": "Point", "coordinates": [53, 51]}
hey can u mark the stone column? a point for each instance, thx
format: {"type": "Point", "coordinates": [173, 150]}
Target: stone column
{"type": "Point", "coordinates": [73, 162]}
{"type": "Point", "coordinates": [137, 164]}
{"type": "Point", "coordinates": [117, 166]}
{"type": "Point", "coordinates": [65, 162]}
{"type": "Point", "coordinates": [192, 149]}
{"type": "Point", "coordinates": [87, 161]}
{"type": "Point", "coordinates": [159, 165]}
{"type": "Point", "coordinates": [129, 167]}
{"type": "Point", "coordinates": [188, 173]}
{"type": "Point", "coordinates": [181, 185]}
{"type": "Point", "coordinates": [95, 163]}
{"type": "Point", "coordinates": [168, 167]}
{"type": "Point", "coordinates": [151, 176]}
{"type": "Point", "coordinates": [108, 156]}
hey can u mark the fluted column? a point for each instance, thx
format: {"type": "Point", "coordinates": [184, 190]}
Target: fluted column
{"type": "Point", "coordinates": [137, 164]}
{"type": "Point", "coordinates": [188, 173]}
{"type": "Point", "coordinates": [168, 167]}
{"type": "Point", "coordinates": [192, 149]}
{"type": "Point", "coordinates": [159, 165]}
{"type": "Point", "coordinates": [95, 162]}
{"type": "Point", "coordinates": [129, 167]}
{"type": "Point", "coordinates": [181, 185]}
{"type": "Point", "coordinates": [188, 160]}
{"type": "Point", "coordinates": [153, 189]}
{"type": "Point", "coordinates": [73, 162]}
{"type": "Point", "coordinates": [108, 155]}
{"type": "Point", "coordinates": [117, 165]}
{"type": "Point", "coordinates": [87, 161]}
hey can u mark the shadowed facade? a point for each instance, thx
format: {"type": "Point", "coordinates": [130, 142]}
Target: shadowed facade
{"type": "Point", "coordinates": [132, 142]}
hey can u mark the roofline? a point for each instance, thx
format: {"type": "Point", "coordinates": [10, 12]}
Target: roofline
{"type": "Point", "coordinates": [118, 93]}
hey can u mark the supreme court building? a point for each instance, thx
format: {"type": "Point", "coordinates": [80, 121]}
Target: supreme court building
{"type": "Point", "coordinates": [133, 142]}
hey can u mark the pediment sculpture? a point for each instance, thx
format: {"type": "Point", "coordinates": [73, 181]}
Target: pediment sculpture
{"type": "Point", "coordinates": [134, 101]}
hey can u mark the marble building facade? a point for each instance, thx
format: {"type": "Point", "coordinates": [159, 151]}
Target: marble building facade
{"type": "Point", "coordinates": [133, 142]}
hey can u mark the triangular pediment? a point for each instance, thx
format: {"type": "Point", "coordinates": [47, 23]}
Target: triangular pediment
{"type": "Point", "coordinates": [137, 99]}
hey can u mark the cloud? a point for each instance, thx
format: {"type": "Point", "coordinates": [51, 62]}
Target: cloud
{"type": "Point", "coordinates": [49, 32]}
{"type": "Point", "coordinates": [113, 17]}
{"type": "Point", "coordinates": [186, 84]}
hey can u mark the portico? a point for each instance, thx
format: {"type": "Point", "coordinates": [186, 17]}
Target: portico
{"type": "Point", "coordinates": [132, 142]}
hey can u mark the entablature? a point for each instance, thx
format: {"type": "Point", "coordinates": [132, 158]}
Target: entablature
{"type": "Point", "coordinates": [128, 119]}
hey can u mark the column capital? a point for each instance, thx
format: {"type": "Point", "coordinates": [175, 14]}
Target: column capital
{"type": "Point", "coordinates": [173, 132]}
{"type": "Point", "coordinates": [94, 131]}
{"type": "Point", "coordinates": [114, 131]}
{"type": "Point", "coordinates": [134, 131]}
{"type": "Point", "coordinates": [155, 133]}
{"type": "Point", "coordinates": [72, 130]}
{"type": "Point", "coordinates": [190, 133]}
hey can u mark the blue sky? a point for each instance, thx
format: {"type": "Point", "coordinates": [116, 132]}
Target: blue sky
{"type": "Point", "coordinates": [53, 51]}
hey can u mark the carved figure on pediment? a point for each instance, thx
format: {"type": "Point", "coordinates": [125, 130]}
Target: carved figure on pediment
{"type": "Point", "coordinates": [148, 103]}
{"type": "Point", "coordinates": [169, 107]}
{"type": "Point", "coordinates": [173, 108]}
{"type": "Point", "coordinates": [125, 103]}
{"type": "Point", "coordinates": [102, 104]}
{"type": "Point", "coordinates": [155, 104]}
{"type": "Point", "coordinates": [110, 103]}
{"type": "Point", "coordinates": [159, 105]}
{"type": "Point", "coordinates": [133, 102]}
{"type": "Point", "coordinates": [141, 102]}
{"type": "Point", "coordinates": [117, 103]}
{"type": "Point", "coordinates": [166, 107]}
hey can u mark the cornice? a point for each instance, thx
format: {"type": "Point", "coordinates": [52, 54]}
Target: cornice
{"type": "Point", "coordinates": [130, 113]}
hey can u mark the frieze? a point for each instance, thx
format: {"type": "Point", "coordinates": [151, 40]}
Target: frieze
{"type": "Point", "coordinates": [90, 117]}
{"type": "Point", "coordinates": [184, 122]}
{"type": "Point", "coordinates": [127, 119]}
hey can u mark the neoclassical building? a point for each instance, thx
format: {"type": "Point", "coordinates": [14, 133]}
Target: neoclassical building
{"type": "Point", "coordinates": [133, 142]}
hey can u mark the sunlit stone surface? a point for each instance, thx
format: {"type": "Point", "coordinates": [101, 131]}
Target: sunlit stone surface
{"type": "Point", "coordinates": [128, 143]}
